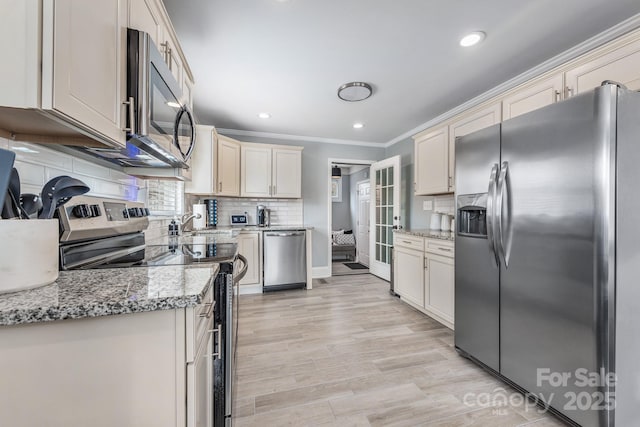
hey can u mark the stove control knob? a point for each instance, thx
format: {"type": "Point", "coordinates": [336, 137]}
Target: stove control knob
{"type": "Point", "coordinates": [132, 213]}
{"type": "Point", "coordinates": [95, 210]}
{"type": "Point", "coordinates": [146, 212]}
{"type": "Point", "coordinates": [81, 211]}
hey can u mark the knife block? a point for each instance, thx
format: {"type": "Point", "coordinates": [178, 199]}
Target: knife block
{"type": "Point", "coordinates": [29, 254]}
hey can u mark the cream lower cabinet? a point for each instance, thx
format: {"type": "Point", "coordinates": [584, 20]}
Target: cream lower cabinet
{"type": "Point", "coordinates": [249, 246]}
{"type": "Point", "coordinates": [142, 369]}
{"type": "Point", "coordinates": [424, 275]}
{"type": "Point", "coordinates": [409, 275]}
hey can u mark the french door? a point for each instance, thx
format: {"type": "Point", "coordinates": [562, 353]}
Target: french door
{"type": "Point", "coordinates": [385, 214]}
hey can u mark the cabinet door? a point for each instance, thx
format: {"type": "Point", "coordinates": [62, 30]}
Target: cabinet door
{"type": "Point", "coordinates": [472, 122]}
{"type": "Point", "coordinates": [287, 173]}
{"type": "Point", "coordinates": [89, 64]}
{"type": "Point", "coordinates": [621, 65]}
{"type": "Point", "coordinates": [249, 247]}
{"type": "Point", "coordinates": [439, 286]}
{"type": "Point", "coordinates": [256, 171]}
{"type": "Point", "coordinates": [431, 173]}
{"type": "Point", "coordinates": [409, 275]}
{"type": "Point", "coordinates": [145, 16]}
{"type": "Point", "coordinates": [532, 97]}
{"type": "Point", "coordinates": [203, 178]}
{"type": "Point", "coordinates": [200, 386]}
{"type": "Point", "coordinates": [228, 167]}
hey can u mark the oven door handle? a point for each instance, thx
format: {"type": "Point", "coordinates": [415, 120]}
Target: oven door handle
{"type": "Point", "coordinates": [101, 259]}
{"type": "Point", "coordinates": [245, 266]}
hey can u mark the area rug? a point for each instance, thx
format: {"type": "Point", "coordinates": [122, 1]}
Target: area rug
{"type": "Point", "coordinates": [355, 266]}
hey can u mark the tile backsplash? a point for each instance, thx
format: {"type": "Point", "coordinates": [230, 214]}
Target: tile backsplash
{"type": "Point", "coordinates": [37, 164]}
{"type": "Point", "coordinates": [444, 204]}
{"type": "Point", "coordinates": [283, 211]}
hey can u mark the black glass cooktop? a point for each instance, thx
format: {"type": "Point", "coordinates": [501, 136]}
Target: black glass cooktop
{"type": "Point", "coordinates": [130, 251]}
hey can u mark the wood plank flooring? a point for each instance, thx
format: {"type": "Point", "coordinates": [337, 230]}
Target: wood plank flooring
{"type": "Point", "coordinates": [339, 269]}
{"type": "Point", "coordinates": [347, 353]}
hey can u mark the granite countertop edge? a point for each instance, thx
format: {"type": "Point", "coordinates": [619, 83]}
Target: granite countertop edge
{"type": "Point", "coordinates": [429, 234]}
{"type": "Point", "coordinates": [49, 311]}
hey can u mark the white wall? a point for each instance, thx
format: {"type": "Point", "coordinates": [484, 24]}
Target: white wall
{"type": "Point", "coordinates": [341, 211]}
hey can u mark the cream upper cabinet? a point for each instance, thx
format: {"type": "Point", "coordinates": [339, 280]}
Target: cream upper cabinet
{"type": "Point", "coordinates": [203, 161]}
{"type": "Point", "coordinates": [144, 15]}
{"type": "Point", "coordinates": [249, 247]}
{"type": "Point", "coordinates": [256, 171]}
{"type": "Point", "coordinates": [271, 171]}
{"type": "Point", "coordinates": [439, 287]}
{"type": "Point", "coordinates": [228, 166]}
{"type": "Point", "coordinates": [621, 65]}
{"type": "Point", "coordinates": [287, 173]}
{"type": "Point", "coordinates": [431, 172]}
{"type": "Point", "coordinates": [531, 97]}
{"type": "Point", "coordinates": [409, 275]}
{"type": "Point", "coordinates": [469, 123]}
{"type": "Point", "coordinates": [88, 66]}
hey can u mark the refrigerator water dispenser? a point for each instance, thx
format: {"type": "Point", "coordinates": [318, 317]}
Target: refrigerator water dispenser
{"type": "Point", "coordinates": [472, 215]}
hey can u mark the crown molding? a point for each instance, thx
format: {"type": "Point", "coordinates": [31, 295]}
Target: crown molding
{"type": "Point", "coordinates": [288, 137]}
{"type": "Point", "coordinates": [594, 42]}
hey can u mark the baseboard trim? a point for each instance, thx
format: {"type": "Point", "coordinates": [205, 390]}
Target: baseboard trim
{"type": "Point", "coordinates": [250, 289]}
{"type": "Point", "coordinates": [321, 272]}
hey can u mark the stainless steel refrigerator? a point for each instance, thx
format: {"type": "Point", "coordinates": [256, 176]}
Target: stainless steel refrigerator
{"type": "Point", "coordinates": [547, 263]}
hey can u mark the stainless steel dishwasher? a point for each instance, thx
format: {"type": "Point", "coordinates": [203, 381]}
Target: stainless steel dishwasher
{"type": "Point", "coordinates": [285, 260]}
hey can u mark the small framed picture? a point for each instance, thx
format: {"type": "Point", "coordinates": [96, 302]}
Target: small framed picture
{"type": "Point", "coordinates": [336, 190]}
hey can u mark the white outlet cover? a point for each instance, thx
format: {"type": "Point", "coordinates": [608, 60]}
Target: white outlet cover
{"type": "Point", "coordinates": [427, 205]}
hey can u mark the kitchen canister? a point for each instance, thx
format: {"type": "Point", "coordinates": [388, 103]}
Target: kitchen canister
{"type": "Point", "coordinates": [445, 222]}
{"type": "Point", "coordinates": [29, 258]}
{"type": "Point", "coordinates": [200, 223]}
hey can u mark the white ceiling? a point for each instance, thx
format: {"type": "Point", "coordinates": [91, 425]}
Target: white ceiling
{"type": "Point", "coordinates": [288, 58]}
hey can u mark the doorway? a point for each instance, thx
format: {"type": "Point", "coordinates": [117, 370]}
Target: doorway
{"type": "Point", "coordinates": [349, 217]}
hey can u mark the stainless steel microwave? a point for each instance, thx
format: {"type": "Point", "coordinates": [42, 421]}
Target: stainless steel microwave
{"type": "Point", "coordinates": [158, 124]}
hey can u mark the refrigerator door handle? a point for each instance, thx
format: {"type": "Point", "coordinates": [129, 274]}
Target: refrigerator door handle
{"type": "Point", "coordinates": [503, 214]}
{"type": "Point", "coordinates": [491, 217]}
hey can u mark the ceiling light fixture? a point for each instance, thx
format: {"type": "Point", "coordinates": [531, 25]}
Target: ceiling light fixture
{"type": "Point", "coordinates": [355, 91]}
{"type": "Point", "coordinates": [472, 39]}
{"type": "Point", "coordinates": [336, 171]}
{"type": "Point", "coordinates": [264, 115]}
{"type": "Point", "coordinates": [358, 125]}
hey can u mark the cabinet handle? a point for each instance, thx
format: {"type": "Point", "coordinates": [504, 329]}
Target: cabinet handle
{"type": "Point", "coordinates": [270, 190]}
{"type": "Point", "coordinates": [426, 263]}
{"type": "Point", "coordinates": [450, 182]}
{"type": "Point", "coordinates": [569, 91]}
{"type": "Point", "coordinates": [444, 249]}
{"type": "Point", "coordinates": [132, 115]}
{"type": "Point", "coordinates": [557, 95]}
{"type": "Point", "coordinates": [218, 332]}
{"type": "Point", "coordinates": [220, 187]}
{"type": "Point", "coordinates": [207, 311]}
{"type": "Point", "coordinates": [274, 190]}
{"type": "Point", "coordinates": [407, 242]}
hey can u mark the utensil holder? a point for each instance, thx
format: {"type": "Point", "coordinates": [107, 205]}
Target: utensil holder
{"type": "Point", "coordinates": [29, 256]}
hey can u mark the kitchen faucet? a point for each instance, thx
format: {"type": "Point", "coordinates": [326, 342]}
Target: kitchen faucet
{"type": "Point", "coordinates": [188, 217]}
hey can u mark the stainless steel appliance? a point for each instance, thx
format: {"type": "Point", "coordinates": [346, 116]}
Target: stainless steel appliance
{"type": "Point", "coordinates": [285, 260]}
{"type": "Point", "coordinates": [105, 233]}
{"type": "Point", "coordinates": [263, 216]}
{"type": "Point", "coordinates": [547, 253]}
{"type": "Point", "coordinates": [160, 129]}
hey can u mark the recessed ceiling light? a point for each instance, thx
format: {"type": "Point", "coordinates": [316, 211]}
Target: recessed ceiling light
{"type": "Point", "coordinates": [174, 104]}
{"type": "Point", "coordinates": [264, 115]}
{"type": "Point", "coordinates": [472, 38]}
{"type": "Point", "coordinates": [358, 125]}
{"type": "Point", "coordinates": [354, 91]}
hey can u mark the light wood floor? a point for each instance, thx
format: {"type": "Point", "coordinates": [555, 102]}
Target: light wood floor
{"type": "Point", "coordinates": [348, 354]}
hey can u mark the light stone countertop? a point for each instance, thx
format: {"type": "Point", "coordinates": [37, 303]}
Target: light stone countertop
{"type": "Point", "coordinates": [92, 293]}
{"type": "Point", "coordinates": [430, 234]}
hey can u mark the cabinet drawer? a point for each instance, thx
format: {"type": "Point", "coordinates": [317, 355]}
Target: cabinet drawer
{"type": "Point", "coordinates": [199, 321]}
{"type": "Point", "coordinates": [440, 247]}
{"type": "Point", "coordinates": [408, 241]}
